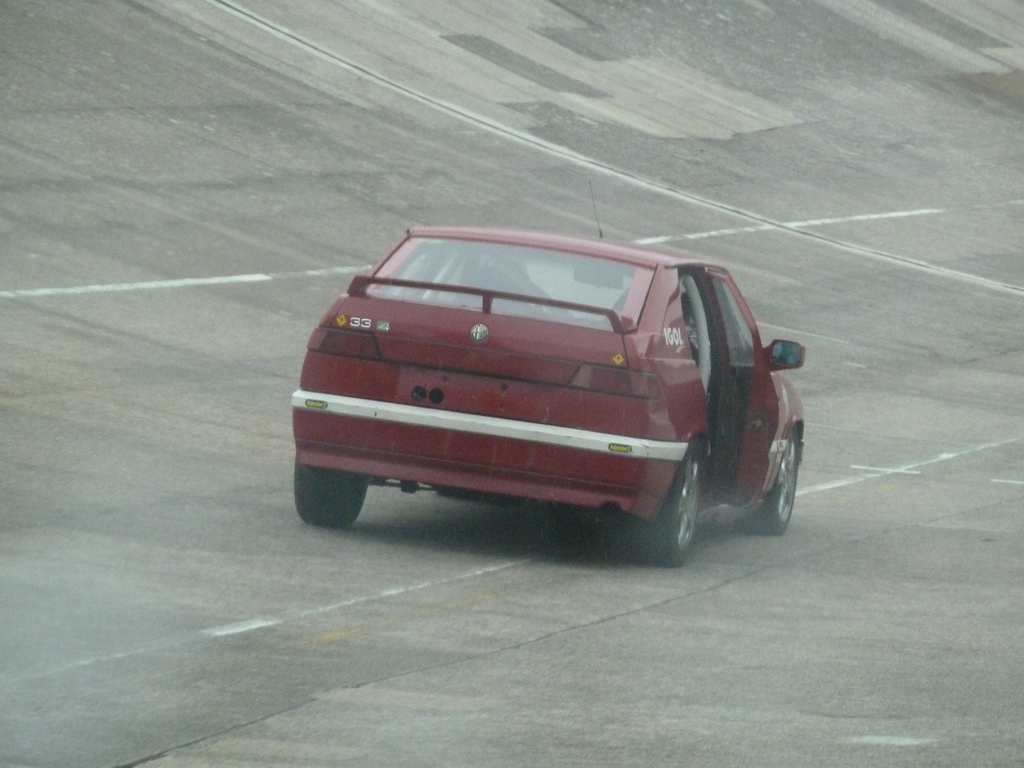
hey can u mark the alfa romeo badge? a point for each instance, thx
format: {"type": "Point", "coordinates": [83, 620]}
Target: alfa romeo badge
{"type": "Point", "coordinates": [479, 332]}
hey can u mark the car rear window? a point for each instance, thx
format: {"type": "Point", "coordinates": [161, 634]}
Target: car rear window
{"type": "Point", "coordinates": [526, 272]}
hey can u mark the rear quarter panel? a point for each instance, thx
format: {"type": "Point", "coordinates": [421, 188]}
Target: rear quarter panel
{"type": "Point", "coordinates": [684, 403]}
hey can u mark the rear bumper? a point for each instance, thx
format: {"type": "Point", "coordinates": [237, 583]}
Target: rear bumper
{"type": "Point", "coordinates": [429, 445]}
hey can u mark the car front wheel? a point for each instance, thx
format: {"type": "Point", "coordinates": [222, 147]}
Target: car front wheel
{"type": "Point", "coordinates": [676, 524]}
{"type": "Point", "coordinates": [773, 516]}
{"type": "Point", "coordinates": [327, 498]}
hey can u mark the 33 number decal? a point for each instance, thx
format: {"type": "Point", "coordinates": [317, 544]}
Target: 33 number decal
{"type": "Point", "coordinates": [354, 322]}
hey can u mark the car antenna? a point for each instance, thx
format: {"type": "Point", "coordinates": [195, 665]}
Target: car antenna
{"type": "Point", "coordinates": [593, 202]}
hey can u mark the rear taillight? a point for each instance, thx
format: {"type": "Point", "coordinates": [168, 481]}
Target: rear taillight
{"type": "Point", "coordinates": [615, 381]}
{"type": "Point", "coordinates": [332, 341]}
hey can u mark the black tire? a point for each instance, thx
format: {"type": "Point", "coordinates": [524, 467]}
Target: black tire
{"type": "Point", "coordinates": [773, 516]}
{"type": "Point", "coordinates": [673, 531]}
{"type": "Point", "coordinates": [327, 498]}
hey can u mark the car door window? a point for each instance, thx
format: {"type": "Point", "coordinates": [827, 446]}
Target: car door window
{"type": "Point", "coordinates": [695, 317]}
{"type": "Point", "coordinates": [737, 332]}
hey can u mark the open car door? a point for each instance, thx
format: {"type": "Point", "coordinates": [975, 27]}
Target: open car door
{"type": "Point", "coordinates": [743, 408]}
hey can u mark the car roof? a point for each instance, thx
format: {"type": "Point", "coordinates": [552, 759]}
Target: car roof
{"type": "Point", "coordinates": [631, 253]}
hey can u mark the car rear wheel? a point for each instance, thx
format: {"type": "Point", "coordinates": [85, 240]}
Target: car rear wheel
{"type": "Point", "coordinates": [773, 516]}
{"type": "Point", "coordinates": [676, 524]}
{"type": "Point", "coordinates": [327, 498]}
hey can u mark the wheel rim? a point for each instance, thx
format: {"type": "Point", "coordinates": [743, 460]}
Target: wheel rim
{"type": "Point", "coordinates": [688, 499]}
{"type": "Point", "coordinates": [787, 482]}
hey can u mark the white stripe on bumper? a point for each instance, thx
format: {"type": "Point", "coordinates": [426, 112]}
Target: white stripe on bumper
{"type": "Point", "coordinates": [585, 440]}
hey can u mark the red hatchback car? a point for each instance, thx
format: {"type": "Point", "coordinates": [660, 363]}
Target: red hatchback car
{"type": "Point", "coordinates": [571, 371]}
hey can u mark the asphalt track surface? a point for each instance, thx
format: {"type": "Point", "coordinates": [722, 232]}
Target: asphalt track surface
{"type": "Point", "coordinates": [186, 184]}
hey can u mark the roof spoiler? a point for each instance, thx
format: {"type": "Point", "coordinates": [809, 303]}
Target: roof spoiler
{"type": "Point", "coordinates": [620, 323]}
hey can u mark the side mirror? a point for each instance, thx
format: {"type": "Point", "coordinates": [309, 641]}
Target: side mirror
{"type": "Point", "coordinates": [785, 355]}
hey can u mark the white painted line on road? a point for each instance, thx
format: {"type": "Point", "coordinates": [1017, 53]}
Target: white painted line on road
{"type": "Point", "coordinates": [783, 226]}
{"type": "Point", "coordinates": [1008, 482]}
{"type": "Point", "coordinates": [144, 286]}
{"type": "Point", "coordinates": [242, 626]}
{"type": "Point", "coordinates": [831, 486]}
{"type": "Point", "coordinates": [189, 282]}
{"type": "Point", "coordinates": [248, 626]}
{"type": "Point", "coordinates": [865, 217]}
{"type": "Point", "coordinates": [891, 741]}
{"type": "Point", "coordinates": [262, 277]}
{"type": "Point", "coordinates": [784, 329]}
{"type": "Point", "coordinates": [724, 232]}
{"type": "Point", "coordinates": [906, 469]}
{"type": "Point", "coordinates": [404, 590]}
{"type": "Point", "coordinates": [1000, 205]}
{"type": "Point", "coordinates": [884, 471]}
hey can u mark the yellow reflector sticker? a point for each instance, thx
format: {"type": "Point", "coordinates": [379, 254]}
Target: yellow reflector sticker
{"type": "Point", "coordinates": [341, 320]}
{"type": "Point", "coordinates": [316, 404]}
{"type": "Point", "coordinates": [620, 448]}
{"type": "Point", "coordinates": [618, 359]}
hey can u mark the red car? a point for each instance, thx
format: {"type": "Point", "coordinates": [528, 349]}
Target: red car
{"type": "Point", "coordinates": [572, 371]}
